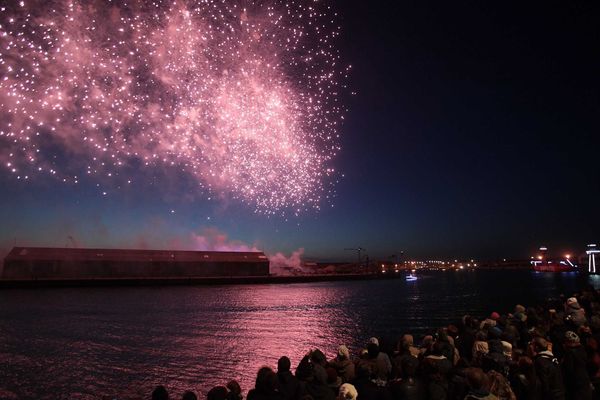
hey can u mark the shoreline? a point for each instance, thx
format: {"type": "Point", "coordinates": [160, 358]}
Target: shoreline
{"type": "Point", "coordinates": [187, 281]}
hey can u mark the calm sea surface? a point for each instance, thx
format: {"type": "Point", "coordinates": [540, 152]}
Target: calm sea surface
{"type": "Point", "coordinates": [121, 342]}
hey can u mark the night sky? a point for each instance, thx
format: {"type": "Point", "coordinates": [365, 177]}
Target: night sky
{"type": "Point", "coordinates": [471, 131]}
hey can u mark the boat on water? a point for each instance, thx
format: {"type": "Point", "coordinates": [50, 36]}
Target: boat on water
{"type": "Point", "coordinates": [411, 277]}
{"type": "Point", "coordinates": [543, 264]}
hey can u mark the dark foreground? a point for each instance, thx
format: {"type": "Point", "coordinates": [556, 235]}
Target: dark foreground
{"type": "Point", "coordinates": [123, 342]}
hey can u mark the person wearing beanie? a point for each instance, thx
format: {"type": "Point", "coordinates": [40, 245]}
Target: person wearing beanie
{"type": "Point", "coordinates": [480, 348]}
{"type": "Point", "coordinates": [347, 392]}
{"type": "Point", "coordinates": [343, 364]}
{"type": "Point", "coordinates": [380, 361]}
{"type": "Point", "coordinates": [574, 368]}
{"type": "Point", "coordinates": [507, 349]}
{"type": "Point", "coordinates": [574, 312]}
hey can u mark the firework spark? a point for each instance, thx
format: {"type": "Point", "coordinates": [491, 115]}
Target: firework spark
{"type": "Point", "coordinates": [243, 96]}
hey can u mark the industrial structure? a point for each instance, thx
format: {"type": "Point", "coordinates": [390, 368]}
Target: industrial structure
{"type": "Point", "coordinates": [39, 263]}
{"type": "Point", "coordinates": [591, 252]}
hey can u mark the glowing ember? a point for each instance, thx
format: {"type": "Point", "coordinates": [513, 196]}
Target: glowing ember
{"type": "Point", "coordinates": [243, 97]}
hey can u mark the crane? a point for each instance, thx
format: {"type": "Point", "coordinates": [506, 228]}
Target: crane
{"type": "Point", "coordinates": [358, 250]}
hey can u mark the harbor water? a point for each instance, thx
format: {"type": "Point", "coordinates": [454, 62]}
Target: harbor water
{"type": "Point", "coordinates": [121, 342]}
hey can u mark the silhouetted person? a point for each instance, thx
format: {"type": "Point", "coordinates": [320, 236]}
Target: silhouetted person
{"type": "Point", "coordinates": [409, 387]}
{"type": "Point", "coordinates": [235, 391]}
{"type": "Point", "coordinates": [288, 384]}
{"type": "Point", "coordinates": [343, 365]}
{"type": "Point", "coordinates": [574, 367]}
{"type": "Point", "coordinates": [160, 393]}
{"type": "Point", "coordinates": [217, 393]}
{"type": "Point", "coordinates": [478, 385]}
{"type": "Point", "coordinates": [265, 387]}
{"type": "Point", "coordinates": [189, 395]}
{"type": "Point", "coordinates": [436, 368]}
{"type": "Point", "coordinates": [547, 371]}
{"type": "Point", "coordinates": [366, 388]}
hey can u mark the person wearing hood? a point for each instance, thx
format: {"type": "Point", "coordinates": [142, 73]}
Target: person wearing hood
{"type": "Point", "coordinates": [343, 365]}
{"type": "Point", "coordinates": [574, 368]}
{"type": "Point", "coordinates": [574, 312]}
{"type": "Point", "coordinates": [547, 370]}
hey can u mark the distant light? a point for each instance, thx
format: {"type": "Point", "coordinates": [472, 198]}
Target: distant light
{"type": "Point", "coordinates": [567, 256]}
{"type": "Point", "coordinates": [540, 257]}
{"type": "Point", "coordinates": [543, 248]}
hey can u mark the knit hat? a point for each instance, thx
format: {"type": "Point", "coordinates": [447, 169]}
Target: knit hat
{"type": "Point", "coordinates": [506, 348]}
{"type": "Point", "coordinates": [571, 301]}
{"type": "Point", "coordinates": [519, 309]}
{"type": "Point", "coordinates": [344, 352]}
{"type": "Point", "coordinates": [374, 341]}
{"type": "Point", "coordinates": [571, 336]}
{"type": "Point", "coordinates": [348, 392]}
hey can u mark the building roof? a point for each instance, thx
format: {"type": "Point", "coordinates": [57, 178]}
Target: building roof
{"type": "Point", "coordinates": [78, 254]}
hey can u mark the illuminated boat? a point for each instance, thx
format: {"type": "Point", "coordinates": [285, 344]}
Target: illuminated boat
{"type": "Point", "coordinates": [411, 277]}
{"type": "Point", "coordinates": [543, 264]}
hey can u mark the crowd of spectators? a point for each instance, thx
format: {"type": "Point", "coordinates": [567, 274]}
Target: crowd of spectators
{"type": "Point", "coordinates": [547, 352]}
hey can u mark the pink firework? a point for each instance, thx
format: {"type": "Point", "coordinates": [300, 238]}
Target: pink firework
{"type": "Point", "coordinates": [243, 96]}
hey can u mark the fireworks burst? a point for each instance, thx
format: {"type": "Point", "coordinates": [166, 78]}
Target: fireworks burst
{"type": "Point", "coordinates": [243, 96]}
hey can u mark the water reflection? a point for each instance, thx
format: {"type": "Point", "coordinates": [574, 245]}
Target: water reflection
{"type": "Point", "coordinates": [124, 341]}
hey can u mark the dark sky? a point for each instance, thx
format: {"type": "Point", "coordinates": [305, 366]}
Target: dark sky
{"type": "Point", "coordinates": [475, 127]}
{"type": "Point", "coordinates": [473, 133]}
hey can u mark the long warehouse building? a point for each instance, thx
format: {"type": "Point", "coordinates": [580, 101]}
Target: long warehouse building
{"type": "Point", "coordinates": [75, 263]}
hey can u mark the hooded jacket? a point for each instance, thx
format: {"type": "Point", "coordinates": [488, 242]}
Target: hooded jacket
{"type": "Point", "coordinates": [548, 372]}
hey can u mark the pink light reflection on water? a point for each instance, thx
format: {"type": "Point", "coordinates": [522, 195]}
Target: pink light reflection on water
{"type": "Point", "coordinates": [265, 323]}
